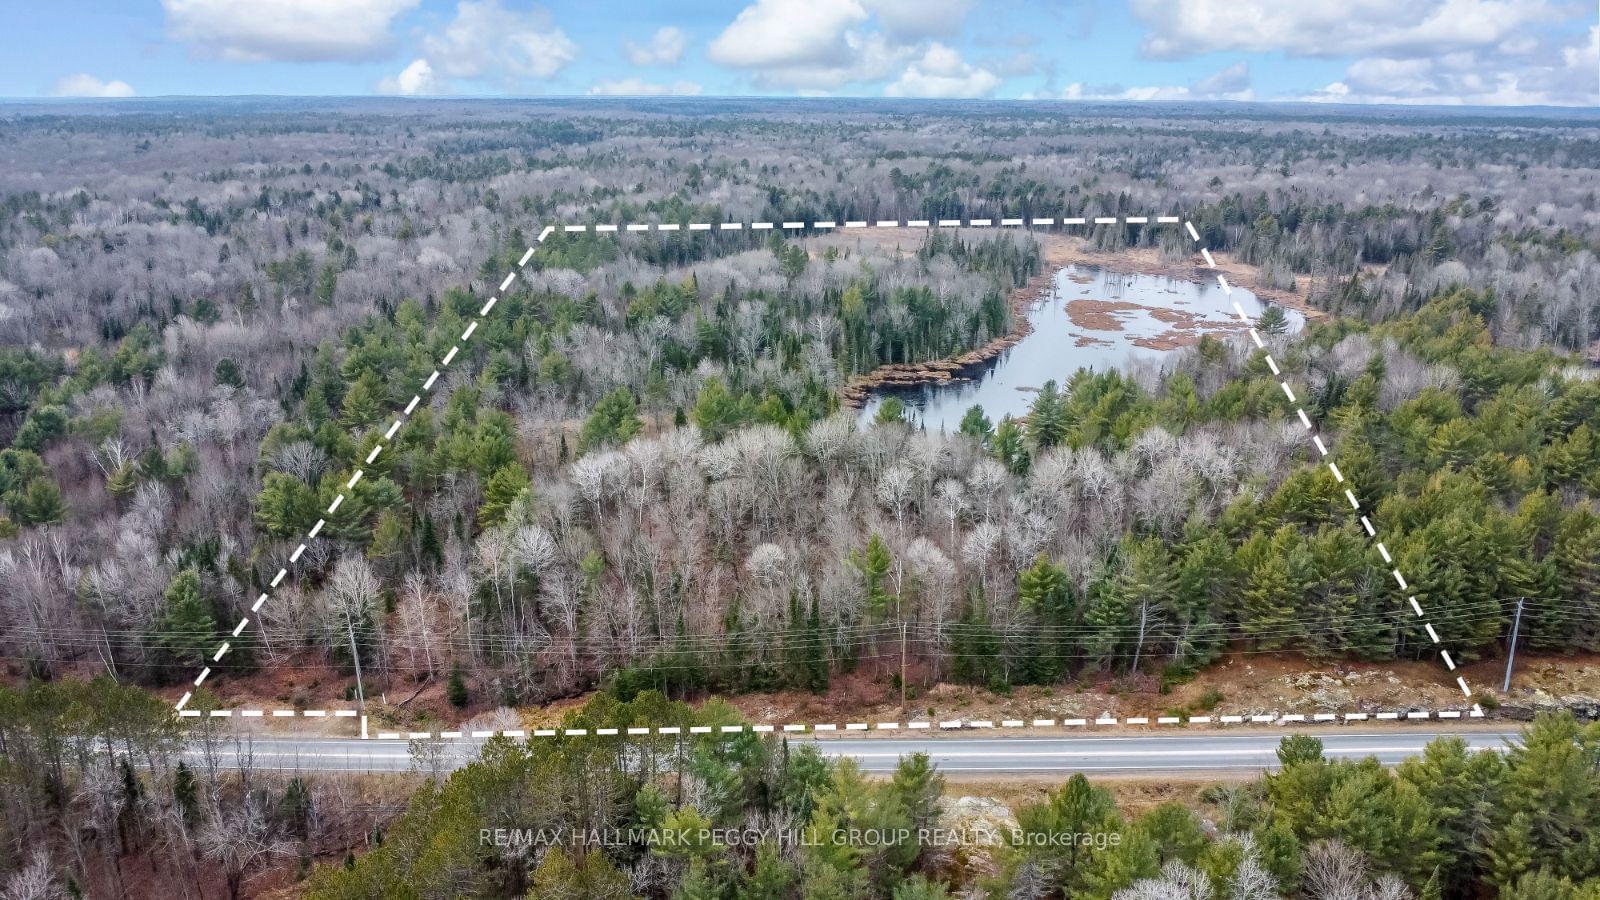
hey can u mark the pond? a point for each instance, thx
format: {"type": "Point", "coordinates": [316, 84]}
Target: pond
{"type": "Point", "coordinates": [1093, 318]}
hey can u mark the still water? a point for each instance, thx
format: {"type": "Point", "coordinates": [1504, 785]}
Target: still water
{"type": "Point", "coordinates": [1120, 317]}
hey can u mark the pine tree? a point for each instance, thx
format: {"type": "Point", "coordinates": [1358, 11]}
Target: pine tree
{"type": "Point", "coordinates": [892, 409]}
{"type": "Point", "coordinates": [327, 283]}
{"type": "Point", "coordinates": [770, 878]}
{"type": "Point", "coordinates": [1009, 449]}
{"type": "Point", "coordinates": [504, 486]}
{"type": "Point", "coordinates": [1043, 596]}
{"type": "Point", "coordinates": [1577, 566]}
{"type": "Point", "coordinates": [615, 420]}
{"type": "Point", "coordinates": [976, 425]}
{"type": "Point", "coordinates": [390, 537]}
{"type": "Point", "coordinates": [1041, 586]}
{"type": "Point", "coordinates": [1047, 418]}
{"type": "Point", "coordinates": [561, 877]}
{"type": "Point", "coordinates": [975, 650]}
{"type": "Point", "coordinates": [186, 630]}
{"type": "Point", "coordinates": [698, 883]}
{"type": "Point", "coordinates": [430, 548]}
{"type": "Point", "coordinates": [364, 403]}
{"type": "Point", "coordinates": [1456, 444]}
{"type": "Point", "coordinates": [186, 794]}
{"type": "Point", "coordinates": [873, 563]}
{"type": "Point", "coordinates": [1270, 599]}
{"type": "Point", "coordinates": [1148, 585]}
{"type": "Point", "coordinates": [124, 480]}
{"type": "Point", "coordinates": [816, 650]}
{"type": "Point", "coordinates": [1272, 320]}
{"type": "Point", "coordinates": [286, 505]}
{"type": "Point", "coordinates": [1205, 575]}
{"type": "Point", "coordinates": [917, 787]}
{"type": "Point", "coordinates": [456, 690]}
{"type": "Point", "coordinates": [1109, 617]}
{"type": "Point", "coordinates": [40, 503]}
{"type": "Point", "coordinates": [716, 411]}
{"type": "Point", "coordinates": [1510, 852]}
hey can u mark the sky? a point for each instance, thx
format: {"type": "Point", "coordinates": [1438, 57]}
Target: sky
{"type": "Point", "coordinates": [1476, 52]}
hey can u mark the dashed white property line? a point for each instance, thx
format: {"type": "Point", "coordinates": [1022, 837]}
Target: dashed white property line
{"type": "Point", "coordinates": [828, 728]}
{"type": "Point", "coordinates": [527, 256]}
{"type": "Point", "coordinates": [372, 455]}
{"type": "Point", "coordinates": [1349, 494]}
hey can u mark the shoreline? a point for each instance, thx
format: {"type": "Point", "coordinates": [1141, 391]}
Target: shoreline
{"type": "Point", "coordinates": [856, 391]}
{"type": "Point", "coordinates": [1058, 252]}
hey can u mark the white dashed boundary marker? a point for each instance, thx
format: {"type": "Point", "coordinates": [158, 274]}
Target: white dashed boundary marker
{"type": "Point", "coordinates": [427, 387]}
{"type": "Point", "coordinates": [1338, 477]}
{"type": "Point", "coordinates": [835, 727]}
{"type": "Point", "coordinates": [400, 419]}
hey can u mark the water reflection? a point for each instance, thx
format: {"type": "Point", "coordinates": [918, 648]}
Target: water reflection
{"type": "Point", "coordinates": [1120, 318]}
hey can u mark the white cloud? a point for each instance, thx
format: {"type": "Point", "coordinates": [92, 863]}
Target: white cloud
{"type": "Point", "coordinates": [788, 33]}
{"type": "Point", "coordinates": [635, 87]}
{"type": "Point", "coordinates": [294, 30]}
{"type": "Point", "coordinates": [1017, 65]}
{"type": "Point", "coordinates": [415, 79]}
{"type": "Point", "coordinates": [86, 85]}
{"type": "Point", "coordinates": [1230, 80]}
{"type": "Point", "coordinates": [915, 19]}
{"type": "Point", "coordinates": [1406, 51]}
{"type": "Point", "coordinates": [665, 48]}
{"type": "Point", "coordinates": [1541, 76]}
{"type": "Point", "coordinates": [941, 72]}
{"type": "Point", "coordinates": [486, 40]}
{"type": "Point", "coordinates": [810, 46]}
{"type": "Point", "coordinates": [1229, 83]}
{"type": "Point", "coordinates": [1181, 28]}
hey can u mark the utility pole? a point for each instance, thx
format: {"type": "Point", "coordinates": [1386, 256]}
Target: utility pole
{"type": "Point", "coordinates": [355, 655]}
{"type": "Point", "coordinates": [1511, 657]}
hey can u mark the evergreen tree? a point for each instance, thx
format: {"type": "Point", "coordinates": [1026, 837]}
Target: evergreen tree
{"type": "Point", "coordinates": [456, 690]}
{"type": "Point", "coordinates": [615, 420]}
{"type": "Point", "coordinates": [976, 425]}
{"type": "Point", "coordinates": [186, 794]}
{"type": "Point", "coordinates": [429, 546]}
{"type": "Point", "coordinates": [1148, 585]}
{"type": "Point", "coordinates": [1047, 418]}
{"type": "Point", "coordinates": [185, 630]}
{"type": "Point", "coordinates": [590, 877]}
{"type": "Point", "coordinates": [1271, 594]}
{"type": "Point", "coordinates": [816, 651]}
{"type": "Point", "coordinates": [286, 505]}
{"type": "Point", "coordinates": [873, 563]}
{"type": "Point", "coordinates": [40, 503]}
{"type": "Point", "coordinates": [365, 403]}
{"type": "Point", "coordinates": [892, 409]}
{"type": "Point", "coordinates": [1008, 447]}
{"type": "Point", "coordinates": [976, 650]}
{"type": "Point", "coordinates": [716, 410]}
{"type": "Point", "coordinates": [505, 485]}
{"type": "Point", "coordinates": [1272, 320]}
{"type": "Point", "coordinates": [327, 283]}
{"type": "Point", "coordinates": [1041, 586]}
{"type": "Point", "coordinates": [771, 876]}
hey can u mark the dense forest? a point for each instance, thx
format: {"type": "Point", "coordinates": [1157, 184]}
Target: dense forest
{"type": "Point", "coordinates": [640, 471]}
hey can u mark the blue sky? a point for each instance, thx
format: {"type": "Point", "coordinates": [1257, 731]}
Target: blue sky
{"type": "Point", "coordinates": [1491, 52]}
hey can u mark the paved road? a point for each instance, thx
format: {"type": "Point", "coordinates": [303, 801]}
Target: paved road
{"type": "Point", "coordinates": [1141, 754]}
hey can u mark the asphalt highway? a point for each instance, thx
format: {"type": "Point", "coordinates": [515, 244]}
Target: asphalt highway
{"type": "Point", "coordinates": [1152, 754]}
